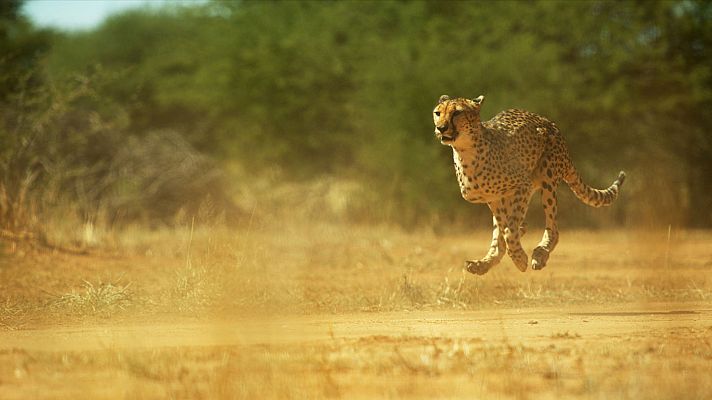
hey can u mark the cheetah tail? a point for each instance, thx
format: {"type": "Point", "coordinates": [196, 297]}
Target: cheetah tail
{"type": "Point", "coordinates": [594, 197]}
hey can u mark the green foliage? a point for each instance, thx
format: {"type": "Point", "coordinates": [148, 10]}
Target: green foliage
{"type": "Point", "coordinates": [345, 89]}
{"type": "Point", "coordinates": [21, 46]}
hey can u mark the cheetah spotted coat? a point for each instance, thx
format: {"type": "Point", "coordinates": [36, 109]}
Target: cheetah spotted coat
{"type": "Point", "coordinates": [502, 163]}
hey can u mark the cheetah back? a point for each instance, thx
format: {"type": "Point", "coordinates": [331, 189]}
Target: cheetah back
{"type": "Point", "coordinates": [524, 137]}
{"type": "Point", "coordinates": [517, 122]}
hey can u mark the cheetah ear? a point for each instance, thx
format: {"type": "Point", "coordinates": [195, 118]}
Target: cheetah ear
{"type": "Point", "coordinates": [479, 100]}
{"type": "Point", "coordinates": [443, 98]}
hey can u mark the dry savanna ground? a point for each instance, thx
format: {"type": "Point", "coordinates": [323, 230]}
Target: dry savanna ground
{"type": "Point", "coordinates": [329, 311]}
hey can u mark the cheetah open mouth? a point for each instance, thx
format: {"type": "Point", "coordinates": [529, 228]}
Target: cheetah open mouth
{"type": "Point", "coordinates": [446, 139]}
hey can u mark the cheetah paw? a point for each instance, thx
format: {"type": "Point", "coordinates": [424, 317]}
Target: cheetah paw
{"type": "Point", "coordinates": [521, 265]}
{"type": "Point", "coordinates": [539, 258]}
{"type": "Point", "coordinates": [477, 267]}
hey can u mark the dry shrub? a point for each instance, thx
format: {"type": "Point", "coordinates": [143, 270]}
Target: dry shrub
{"type": "Point", "coordinates": [161, 174]}
{"type": "Point", "coordinates": [67, 158]}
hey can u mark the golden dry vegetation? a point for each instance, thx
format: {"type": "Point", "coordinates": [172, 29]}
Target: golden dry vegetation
{"type": "Point", "coordinates": [326, 311]}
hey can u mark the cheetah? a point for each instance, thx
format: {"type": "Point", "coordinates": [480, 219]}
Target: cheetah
{"type": "Point", "coordinates": [502, 163]}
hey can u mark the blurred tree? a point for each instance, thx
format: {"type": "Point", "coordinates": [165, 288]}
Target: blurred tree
{"type": "Point", "coordinates": [21, 46]}
{"type": "Point", "coordinates": [65, 146]}
{"type": "Point", "coordinates": [346, 88]}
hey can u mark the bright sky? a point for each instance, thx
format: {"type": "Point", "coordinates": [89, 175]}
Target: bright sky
{"type": "Point", "coordinates": [84, 14]}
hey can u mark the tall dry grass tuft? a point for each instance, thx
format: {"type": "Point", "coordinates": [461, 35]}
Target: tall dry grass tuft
{"type": "Point", "coordinates": [103, 298]}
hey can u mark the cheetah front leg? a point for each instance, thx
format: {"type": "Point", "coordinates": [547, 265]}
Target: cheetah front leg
{"type": "Point", "coordinates": [493, 256]}
{"type": "Point", "coordinates": [511, 215]}
{"type": "Point", "coordinates": [497, 247]}
{"type": "Point", "coordinates": [548, 242]}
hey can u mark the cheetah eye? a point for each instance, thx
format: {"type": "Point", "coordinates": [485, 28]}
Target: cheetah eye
{"type": "Point", "coordinates": [437, 113]}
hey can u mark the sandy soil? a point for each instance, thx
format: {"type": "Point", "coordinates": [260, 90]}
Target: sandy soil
{"type": "Point", "coordinates": [336, 313]}
{"type": "Point", "coordinates": [649, 350]}
{"type": "Point", "coordinates": [526, 325]}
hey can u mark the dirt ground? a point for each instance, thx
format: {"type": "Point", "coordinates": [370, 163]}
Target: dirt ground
{"type": "Point", "coordinates": [373, 313]}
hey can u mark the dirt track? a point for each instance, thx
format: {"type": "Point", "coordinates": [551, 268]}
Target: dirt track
{"type": "Point", "coordinates": [514, 325]}
{"type": "Point", "coordinates": [626, 351]}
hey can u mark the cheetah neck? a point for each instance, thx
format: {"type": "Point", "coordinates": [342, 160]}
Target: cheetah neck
{"type": "Point", "coordinates": [471, 151]}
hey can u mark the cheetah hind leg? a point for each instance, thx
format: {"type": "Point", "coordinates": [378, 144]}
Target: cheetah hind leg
{"type": "Point", "coordinates": [540, 256]}
{"type": "Point", "coordinates": [548, 242]}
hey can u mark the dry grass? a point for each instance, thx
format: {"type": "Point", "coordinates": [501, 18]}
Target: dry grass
{"type": "Point", "coordinates": [105, 298]}
{"type": "Point", "coordinates": [329, 273]}
{"type": "Point", "coordinates": [12, 315]}
{"type": "Point", "coordinates": [330, 269]}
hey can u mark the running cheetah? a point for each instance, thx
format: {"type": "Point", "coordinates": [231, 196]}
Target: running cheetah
{"type": "Point", "coordinates": [502, 162]}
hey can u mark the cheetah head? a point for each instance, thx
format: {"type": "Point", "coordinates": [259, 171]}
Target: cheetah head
{"type": "Point", "coordinates": [450, 118]}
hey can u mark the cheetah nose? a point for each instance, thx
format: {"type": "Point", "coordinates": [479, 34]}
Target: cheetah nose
{"type": "Point", "coordinates": [442, 128]}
